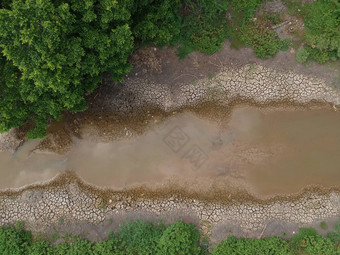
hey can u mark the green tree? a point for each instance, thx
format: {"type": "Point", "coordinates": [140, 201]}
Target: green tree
{"type": "Point", "coordinates": [59, 49]}
{"type": "Point", "coordinates": [156, 21]}
{"type": "Point", "coordinates": [5, 3]}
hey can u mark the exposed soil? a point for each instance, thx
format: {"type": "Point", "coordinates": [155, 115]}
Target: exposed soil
{"type": "Point", "coordinates": [67, 205]}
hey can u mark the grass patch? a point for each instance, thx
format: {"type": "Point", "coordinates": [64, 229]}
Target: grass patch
{"type": "Point", "coordinates": [323, 225]}
{"type": "Point", "coordinates": [294, 7]}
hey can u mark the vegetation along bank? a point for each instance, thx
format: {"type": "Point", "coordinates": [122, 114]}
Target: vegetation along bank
{"type": "Point", "coordinates": [54, 52]}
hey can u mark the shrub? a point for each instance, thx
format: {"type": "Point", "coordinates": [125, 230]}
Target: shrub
{"type": "Point", "coordinates": [264, 41]}
{"type": "Point", "coordinates": [310, 242]}
{"type": "Point", "coordinates": [323, 225]}
{"type": "Point", "coordinates": [135, 238]}
{"type": "Point", "coordinates": [204, 26]}
{"type": "Point", "coordinates": [302, 55]}
{"type": "Point", "coordinates": [141, 237]}
{"type": "Point", "coordinates": [322, 33]}
{"type": "Point", "coordinates": [242, 11]}
{"type": "Point", "coordinates": [285, 44]}
{"type": "Point", "coordinates": [110, 247]}
{"type": "Point", "coordinates": [40, 248]}
{"type": "Point", "coordinates": [335, 235]}
{"type": "Point", "coordinates": [179, 239]}
{"type": "Point", "coordinates": [233, 246]}
{"type": "Point", "coordinates": [14, 240]}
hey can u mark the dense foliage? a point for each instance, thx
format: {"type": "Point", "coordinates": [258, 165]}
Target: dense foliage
{"type": "Point", "coordinates": [204, 26]}
{"type": "Point", "coordinates": [322, 33]}
{"type": "Point", "coordinates": [269, 246]}
{"type": "Point", "coordinates": [156, 21]}
{"type": "Point", "coordinates": [180, 239]}
{"type": "Point", "coordinates": [59, 50]}
{"type": "Point", "coordinates": [263, 40]}
{"type": "Point", "coordinates": [134, 238]}
{"type": "Point", "coordinates": [53, 52]}
{"type": "Point", "coordinates": [145, 238]}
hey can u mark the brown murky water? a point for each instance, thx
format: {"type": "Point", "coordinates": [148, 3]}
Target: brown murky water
{"type": "Point", "coordinates": [264, 152]}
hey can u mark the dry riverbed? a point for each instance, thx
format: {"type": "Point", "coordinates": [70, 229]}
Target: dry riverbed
{"type": "Point", "coordinates": [246, 149]}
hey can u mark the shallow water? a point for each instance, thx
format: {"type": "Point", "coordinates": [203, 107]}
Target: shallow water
{"type": "Point", "coordinates": [24, 167]}
{"type": "Point", "coordinates": [261, 151]}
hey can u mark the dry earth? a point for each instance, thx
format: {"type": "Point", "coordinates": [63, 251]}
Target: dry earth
{"type": "Point", "coordinates": [67, 200]}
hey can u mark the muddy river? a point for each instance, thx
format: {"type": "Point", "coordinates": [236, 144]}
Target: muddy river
{"type": "Point", "coordinates": [265, 152]}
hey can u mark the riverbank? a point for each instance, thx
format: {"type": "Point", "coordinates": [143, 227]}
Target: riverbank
{"type": "Point", "coordinates": [68, 200]}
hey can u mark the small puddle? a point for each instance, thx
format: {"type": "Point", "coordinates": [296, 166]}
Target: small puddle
{"type": "Point", "coordinates": [265, 152]}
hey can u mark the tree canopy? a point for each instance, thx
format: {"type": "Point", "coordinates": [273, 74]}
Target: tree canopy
{"type": "Point", "coordinates": [54, 52]}
{"type": "Point", "coordinates": [322, 35]}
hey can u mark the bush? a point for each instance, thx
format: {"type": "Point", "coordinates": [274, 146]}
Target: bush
{"type": "Point", "coordinates": [335, 235]}
{"type": "Point", "coordinates": [264, 41]}
{"type": "Point", "coordinates": [233, 246]}
{"type": "Point", "coordinates": [242, 11]}
{"type": "Point", "coordinates": [255, 33]}
{"type": "Point", "coordinates": [310, 242]}
{"type": "Point", "coordinates": [302, 55]}
{"type": "Point", "coordinates": [141, 237]}
{"type": "Point", "coordinates": [204, 26]}
{"type": "Point", "coordinates": [40, 248]}
{"type": "Point", "coordinates": [110, 247]}
{"type": "Point", "coordinates": [285, 44]}
{"type": "Point", "coordinates": [179, 239]}
{"type": "Point", "coordinates": [14, 240]}
{"type": "Point", "coordinates": [322, 33]}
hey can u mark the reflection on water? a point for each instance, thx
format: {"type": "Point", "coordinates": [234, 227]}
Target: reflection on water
{"type": "Point", "coordinates": [310, 154]}
{"type": "Point", "coordinates": [267, 153]}
{"type": "Point", "coordinates": [24, 167]}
